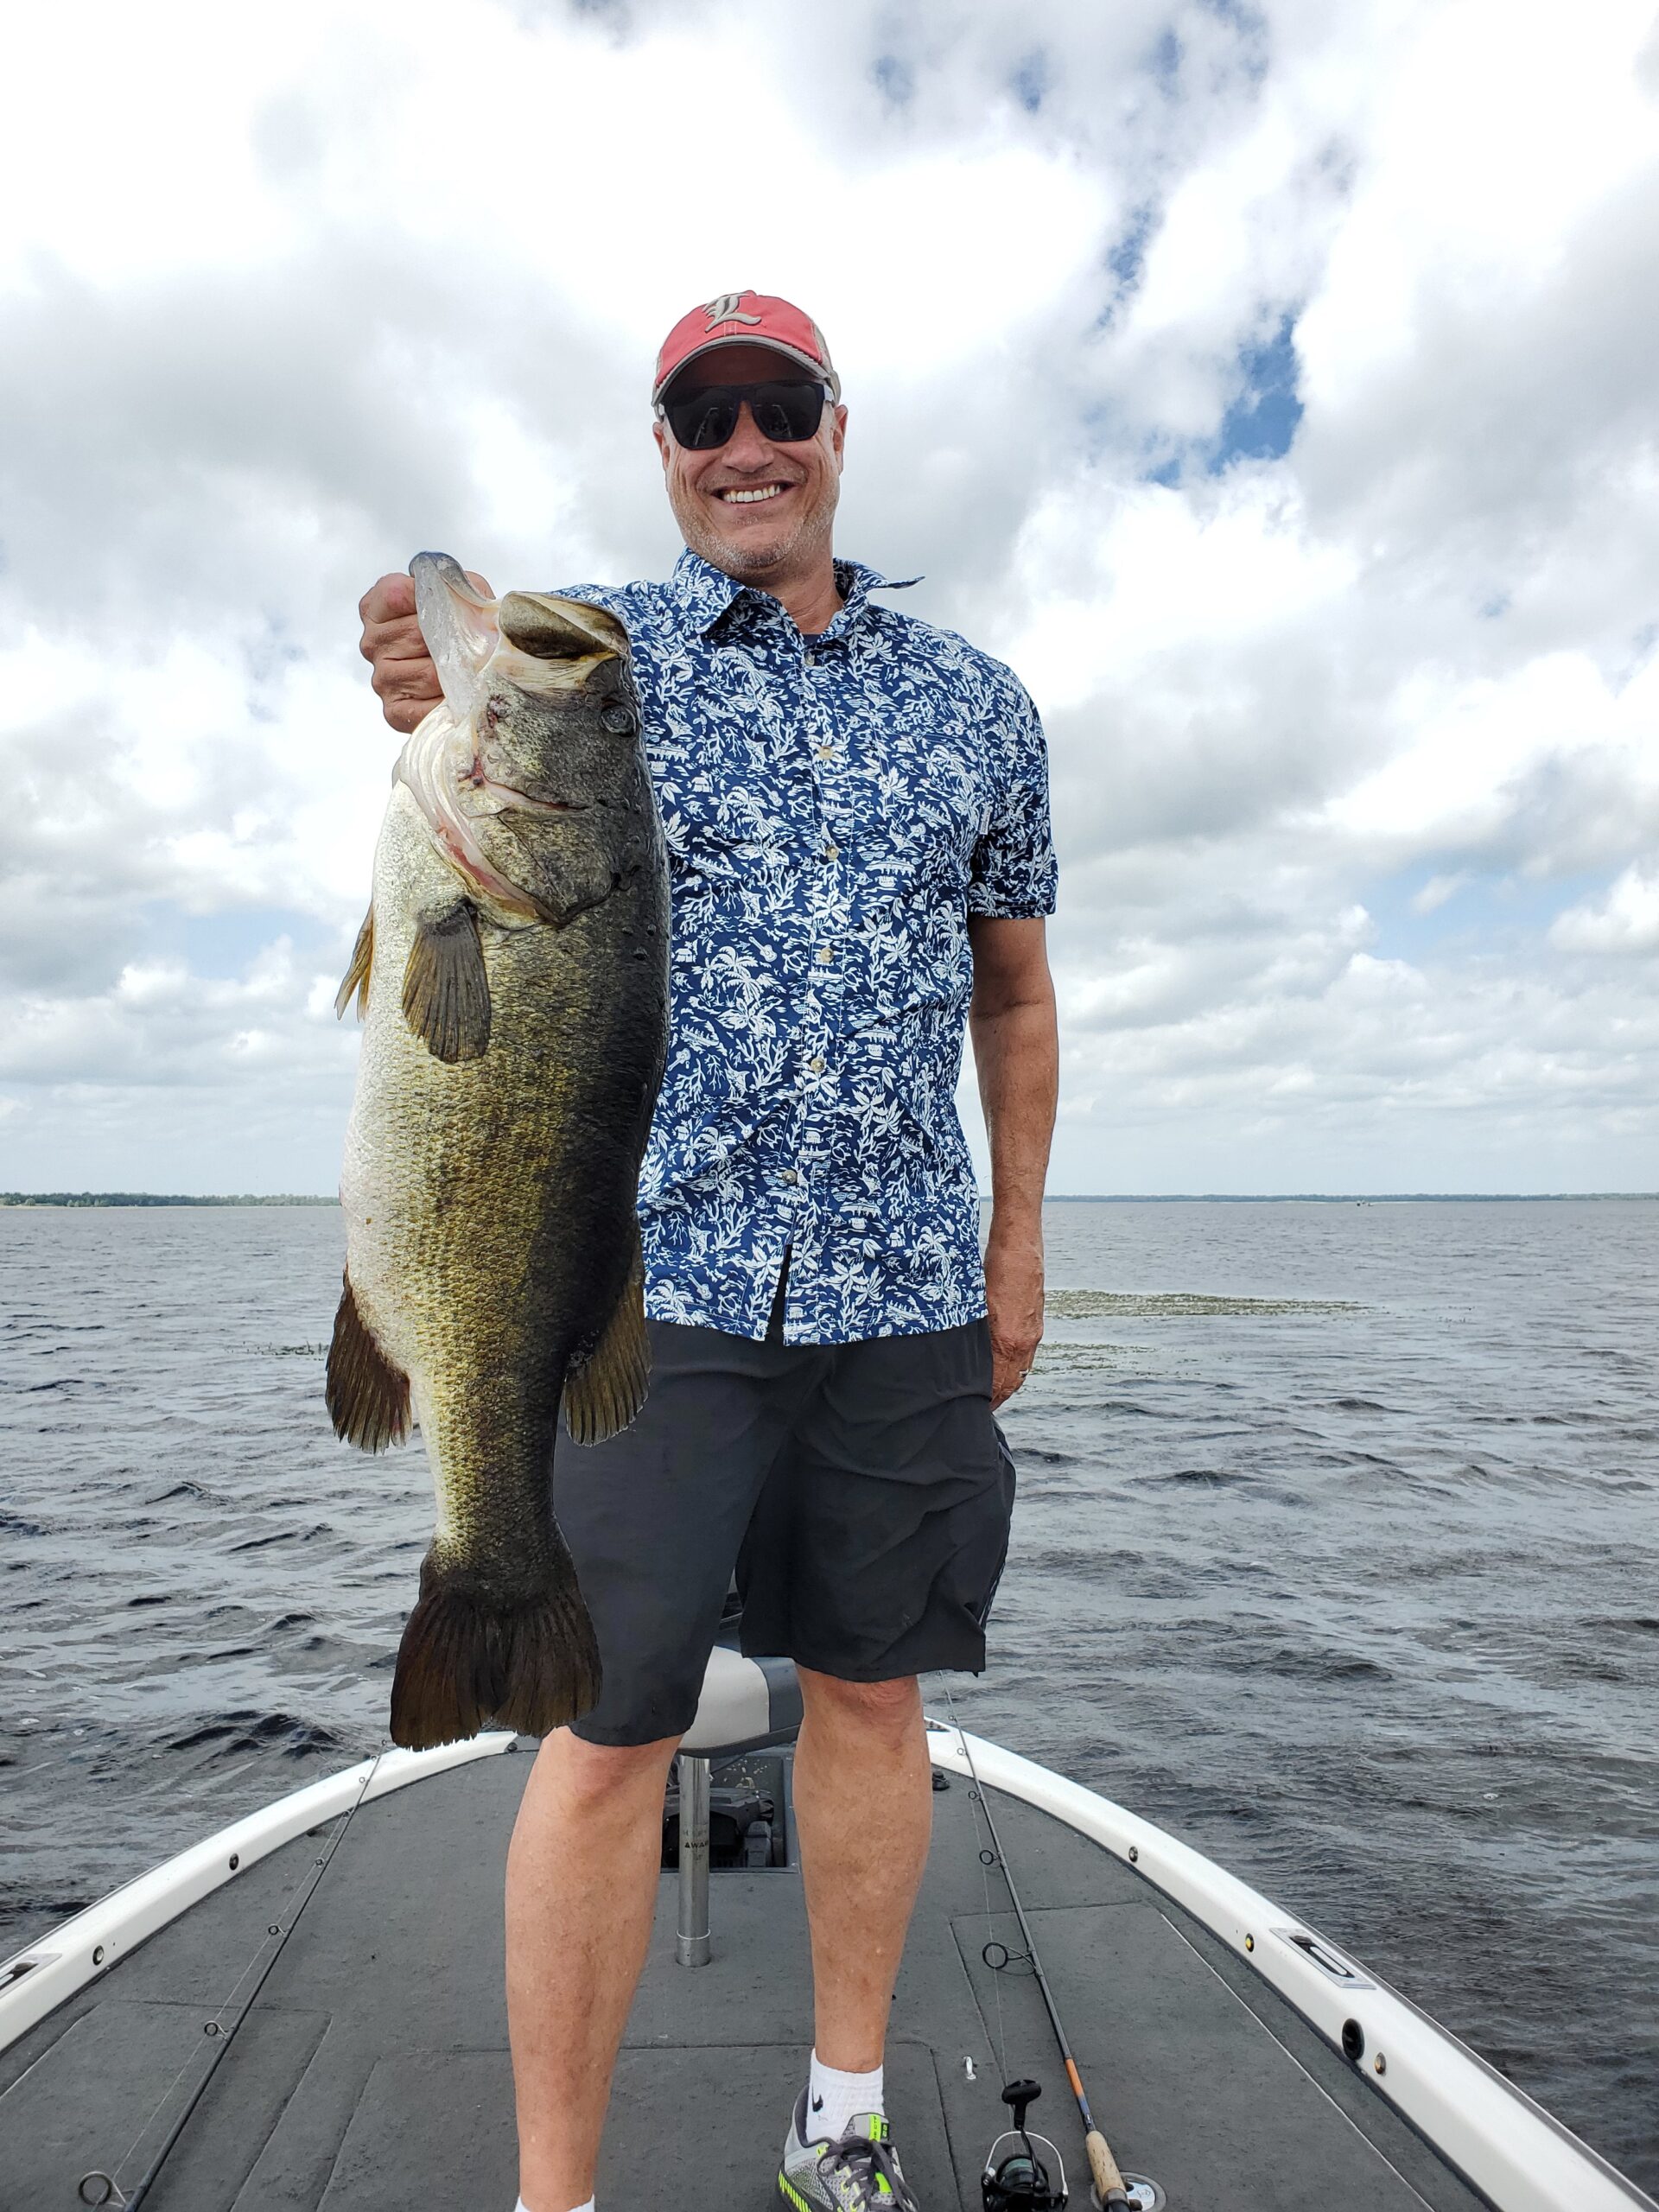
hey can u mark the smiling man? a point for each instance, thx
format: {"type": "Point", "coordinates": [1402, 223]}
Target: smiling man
{"type": "Point", "coordinates": [856, 812]}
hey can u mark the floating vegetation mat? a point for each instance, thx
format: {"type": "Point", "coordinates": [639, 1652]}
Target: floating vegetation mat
{"type": "Point", "coordinates": [1055, 1356]}
{"type": "Point", "coordinates": [1166, 1304]}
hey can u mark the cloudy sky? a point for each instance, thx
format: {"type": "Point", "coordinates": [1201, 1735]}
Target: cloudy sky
{"type": "Point", "coordinates": [1274, 387]}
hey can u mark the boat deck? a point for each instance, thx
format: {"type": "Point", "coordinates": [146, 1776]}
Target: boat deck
{"type": "Point", "coordinates": [372, 2074]}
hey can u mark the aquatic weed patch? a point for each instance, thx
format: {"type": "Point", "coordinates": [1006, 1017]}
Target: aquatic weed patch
{"type": "Point", "coordinates": [1178, 1305]}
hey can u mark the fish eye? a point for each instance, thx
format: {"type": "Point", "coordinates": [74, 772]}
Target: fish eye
{"type": "Point", "coordinates": [619, 720]}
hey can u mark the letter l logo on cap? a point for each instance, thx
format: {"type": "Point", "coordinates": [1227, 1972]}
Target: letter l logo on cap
{"type": "Point", "coordinates": [727, 308]}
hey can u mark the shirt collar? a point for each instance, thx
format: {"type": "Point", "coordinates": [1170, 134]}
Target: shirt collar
{"type": "Point", "coordinates": [702, 592]}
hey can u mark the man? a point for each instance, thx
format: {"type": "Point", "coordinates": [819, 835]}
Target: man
{"type": "Point", "coordinates": [856, 808]}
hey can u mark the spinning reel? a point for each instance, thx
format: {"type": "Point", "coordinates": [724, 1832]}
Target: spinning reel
{"type": "Point", "coordinates": [1016, 2179]}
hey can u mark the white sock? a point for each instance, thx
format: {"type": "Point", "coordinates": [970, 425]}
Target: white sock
{"type": "Point", "coordinates": [588, 2206]}
{"type": "Point", "coordinates": [833, 2097]}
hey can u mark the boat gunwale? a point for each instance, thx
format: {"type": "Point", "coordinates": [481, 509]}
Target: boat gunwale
{"type": "Point", "coordinates": [83, 1948]}
{"type": "Point", "coordinates": [1508, 2148]}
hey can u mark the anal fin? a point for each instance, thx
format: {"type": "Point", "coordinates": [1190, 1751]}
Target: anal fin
{"type": "Point", "coordinates": [602, 1396]}
{"type": "Point", "coordinates": [447, 986]}
{"type": "Point", "coordinates": [357, 976]}
{"type": "Point", "coordinates": [367, 1397]}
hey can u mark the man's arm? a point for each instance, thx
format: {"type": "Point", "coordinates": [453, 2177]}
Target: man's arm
{"type": "Point", "coordinates": [1016, 1051]}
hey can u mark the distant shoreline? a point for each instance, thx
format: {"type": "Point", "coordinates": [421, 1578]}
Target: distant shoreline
{"type": "Point", "coordinates": [1052, 1197]}
{"type": "Point", "coordinates": [1332, 1198]}
{"type": "Point", "coordinates": [149, 1199]}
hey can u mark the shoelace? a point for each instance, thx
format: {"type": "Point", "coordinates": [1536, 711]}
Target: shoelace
{"type": "Point", "coordinates": [865, 2162]}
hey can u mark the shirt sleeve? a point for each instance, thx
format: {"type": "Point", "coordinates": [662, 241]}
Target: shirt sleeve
{"type": "Point", "coordinates": [1014, 874]}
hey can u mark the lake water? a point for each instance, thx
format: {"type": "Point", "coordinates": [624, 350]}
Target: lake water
{"type": "Point", "coordinates": [1357, 1588]}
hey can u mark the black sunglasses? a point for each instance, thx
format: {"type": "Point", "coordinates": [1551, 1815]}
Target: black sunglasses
{"type": "Point", "coordinates": [785, 413]}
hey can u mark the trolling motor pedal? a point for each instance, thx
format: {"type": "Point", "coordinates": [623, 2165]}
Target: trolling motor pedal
{"type": "Point", "coordinates": [1016, 2178]}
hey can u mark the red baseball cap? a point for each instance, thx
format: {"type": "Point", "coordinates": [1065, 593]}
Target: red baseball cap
{"type": "Point", "coordinates": [745, 319]}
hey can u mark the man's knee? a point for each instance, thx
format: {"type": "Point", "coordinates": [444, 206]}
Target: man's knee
{"type": "Point", "coordinates": [590, 1778]}
{"type": "Point", "coordinates": [891, 1709]}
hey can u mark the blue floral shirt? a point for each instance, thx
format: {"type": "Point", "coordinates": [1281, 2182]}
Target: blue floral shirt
{"type": "Point", "coordinates": [835, 808]}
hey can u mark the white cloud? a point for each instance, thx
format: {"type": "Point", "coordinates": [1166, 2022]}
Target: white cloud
{"type": "Point", "coordinates": [1626, 920]}
{"type": "Point", "coordinates": [1356, 745]}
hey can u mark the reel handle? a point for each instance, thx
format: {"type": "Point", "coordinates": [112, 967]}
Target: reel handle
{"type": "Point", "coordinates": [1021, 2096]}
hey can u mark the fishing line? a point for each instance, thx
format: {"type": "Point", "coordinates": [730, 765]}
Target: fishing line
{"type": "Point", "coordinates": [1110, 2189]}
{"type": "Point", "coordinates": [986, 1860]}
{"type": "Point", "coordinates": [263, 1959]}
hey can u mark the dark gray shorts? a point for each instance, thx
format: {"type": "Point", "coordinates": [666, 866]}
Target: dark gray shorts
{"type": "Point", "coordinates": [862, 1493]}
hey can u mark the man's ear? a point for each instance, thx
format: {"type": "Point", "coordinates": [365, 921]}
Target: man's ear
{"type": "Point", "coordinates": [657, 432]}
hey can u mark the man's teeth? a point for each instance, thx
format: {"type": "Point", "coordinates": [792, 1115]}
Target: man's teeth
{"type": "Point", "coordinates": [735, 497]}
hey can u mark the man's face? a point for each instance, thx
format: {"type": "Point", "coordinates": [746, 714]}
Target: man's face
{"type": "Point", "coordinates": [784, 529]}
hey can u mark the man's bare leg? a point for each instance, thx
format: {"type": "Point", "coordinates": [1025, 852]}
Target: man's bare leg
{"type": "Point", "coordinates": [864, 1812]}
{"type": "Point", "coordinates": [581, 1886]}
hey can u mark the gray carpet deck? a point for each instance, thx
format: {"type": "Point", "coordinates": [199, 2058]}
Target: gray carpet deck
{"type": "Point", "coordinates": [372, 2074]}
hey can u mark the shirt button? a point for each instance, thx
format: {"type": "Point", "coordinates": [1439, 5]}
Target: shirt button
{"type": "Point", "coordinates": [825, 956]}
{"type": "Point", "coordinates": [823, 752]}
{"type": "Point", "coordinates": [790, 1175]}
{"type": "Point", "coordinates": [817, 1064]}
{"type": "Point", "coordinates": [831, 850]}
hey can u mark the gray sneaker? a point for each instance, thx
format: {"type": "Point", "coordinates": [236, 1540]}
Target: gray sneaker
{"type": "Point", "coordinates": [857, 2172]}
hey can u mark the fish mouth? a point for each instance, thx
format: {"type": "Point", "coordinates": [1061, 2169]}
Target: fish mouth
{"type": "Point", "coordinates": [478, 779]}
{"type": "Point", "coordinates": [535, 641]}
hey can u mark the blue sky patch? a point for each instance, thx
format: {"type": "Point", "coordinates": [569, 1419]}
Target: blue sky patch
{"type": "Point", "coordinates": [1484, 913]}
{"type": "Point", "coordinates": [1128, 257]}
{"type": "Point", "coordinates": [221, 945]}
{"type": "Point", "coordinates": [1262, 421]}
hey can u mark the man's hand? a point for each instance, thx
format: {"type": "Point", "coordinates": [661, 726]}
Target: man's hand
{"type": "Point", "coordinates": [1013, 1298]}
{"type": "Point", "coordinates": [405, 678]}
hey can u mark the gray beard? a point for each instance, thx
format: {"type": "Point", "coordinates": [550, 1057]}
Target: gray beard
{"type": "Point", "coordinates": [719, 554]}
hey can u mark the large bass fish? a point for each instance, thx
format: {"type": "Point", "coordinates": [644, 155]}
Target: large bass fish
{"type": "Point", "coordinates": [513, 974]}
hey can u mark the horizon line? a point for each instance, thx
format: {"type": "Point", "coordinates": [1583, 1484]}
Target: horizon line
{"type": "Point", "coordinates": [63, 1197]}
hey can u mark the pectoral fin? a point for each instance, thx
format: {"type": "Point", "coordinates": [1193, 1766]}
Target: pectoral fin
{"type": "Point", "coordinates": [357, 976]}
{"type": "Point", "coordinates": [367, 1397]}
{"type": "Point", "coordinates": [602, 1394]}
{"type": "Point", "coordinates": [447, 987]}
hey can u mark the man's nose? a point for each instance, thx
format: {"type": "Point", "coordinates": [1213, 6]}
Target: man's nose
{"type": "Point", "coordinates": [745, 448]}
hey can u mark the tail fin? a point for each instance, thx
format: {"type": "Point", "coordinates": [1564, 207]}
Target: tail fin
{"type": "Point", "coordinates": [468, 1656]}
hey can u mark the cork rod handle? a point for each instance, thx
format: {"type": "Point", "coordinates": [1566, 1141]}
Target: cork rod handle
{"type": "Point", "coordinates": [1109, 2183]}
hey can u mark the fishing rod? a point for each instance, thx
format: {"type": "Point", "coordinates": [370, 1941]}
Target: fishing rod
{"type": "Point", "coordinates": [1109, 2182]}
{"type": "Point", "coordinates": [1111, 2188]}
